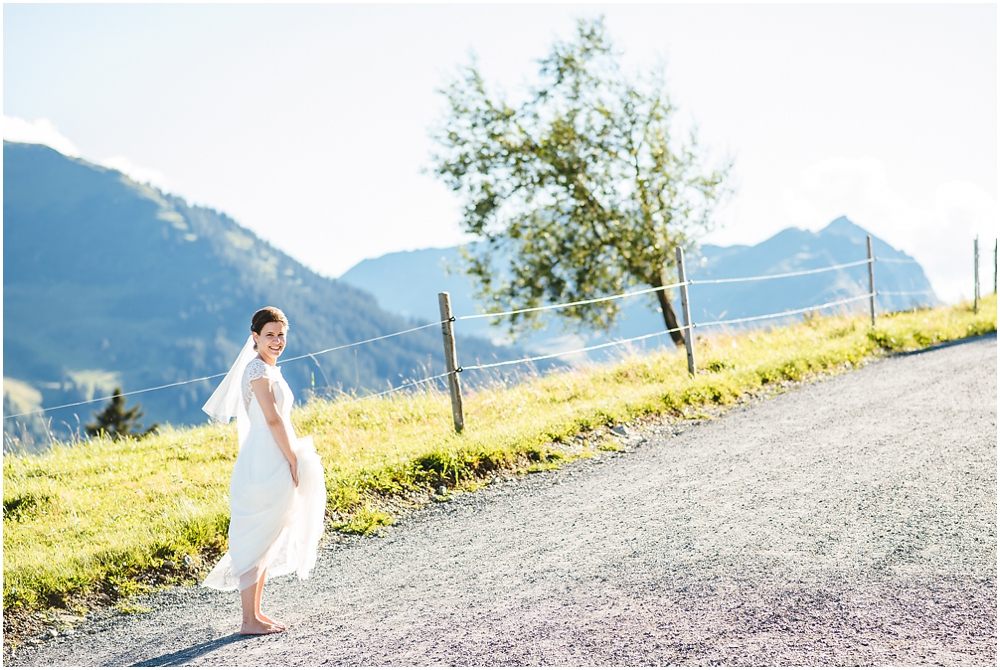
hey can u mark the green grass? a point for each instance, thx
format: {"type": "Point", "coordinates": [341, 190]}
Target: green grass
{"type": "Point", "coordinates": [103, 516]}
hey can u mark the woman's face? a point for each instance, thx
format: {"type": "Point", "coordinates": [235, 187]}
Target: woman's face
{"type": "Point", "coordinates": [271, 340]}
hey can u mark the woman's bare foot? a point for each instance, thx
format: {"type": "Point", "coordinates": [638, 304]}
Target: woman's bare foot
{"type": "Point", "coordinates": [267, 619]}
{"type": "Point", "coordinates": [258, 627]}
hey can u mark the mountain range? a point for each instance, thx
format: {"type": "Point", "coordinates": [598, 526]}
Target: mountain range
{"type": "Point", "coordinates": [107, 282]}
{"type": "Point", "coordinates": [431, 270]}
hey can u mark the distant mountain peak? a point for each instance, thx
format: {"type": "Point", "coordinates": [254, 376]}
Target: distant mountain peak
{"type": "Point", "coordinates": [844, 226]}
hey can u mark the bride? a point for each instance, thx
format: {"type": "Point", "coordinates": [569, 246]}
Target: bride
{"type": "Point", "coordinates": [277, 495]}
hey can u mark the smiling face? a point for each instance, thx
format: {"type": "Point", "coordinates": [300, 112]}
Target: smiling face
{"type": "Point", "coordinates": [271, 341]}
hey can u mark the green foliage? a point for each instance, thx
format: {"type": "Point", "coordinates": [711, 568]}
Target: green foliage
{"type": "Point", "coordinates": [104, 514]}
{"type": "Point", "coordinates": [585, 187]}
{"type": "Point", "coordinates": [26, 506]}
{"type": "Point", "coordinates": [366, 520]}
{"type": "Point", "coordinates": [117, 422]}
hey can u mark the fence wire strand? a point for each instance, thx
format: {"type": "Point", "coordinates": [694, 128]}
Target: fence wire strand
{"type": "Point", "coordinates": [109, 397]}
{"type": "Point", "coordinates": [780, 314]}
{"type": "Point", "coordinates": [403, 386]}
{"type": "Point", "coordinates": [542, 357]}
{"type": "Point", "coordinates": [373, 339]}
{"type": "Point", "coordinates": [903, 292]}
{"type": "Point", "coordinates": [796, 273]}
{"type": "Point", "coordinates": [574, 303]}
{"type": "Point", "coordinates": [215, 376]}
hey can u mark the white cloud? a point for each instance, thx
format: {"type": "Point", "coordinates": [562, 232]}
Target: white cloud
{"type": "Point", "coordinates": [43, 131]}
{"type": "Point", "coordinates": [938, 234]}
{"type": "Point", "coordinates": [39, 131]}
{"type": "Point", "coordinates": [143, 175]}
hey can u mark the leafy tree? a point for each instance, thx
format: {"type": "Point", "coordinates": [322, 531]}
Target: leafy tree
{"type": "Point", "coordinates": [582, 190]}
{"type": "Point", "coordinates": [117, 422]}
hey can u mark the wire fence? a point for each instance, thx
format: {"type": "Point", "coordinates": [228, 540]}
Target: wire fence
{"type": "Point", "coordinates": [81, 403]}
{"type": "Point", "coordinates": [406, 385]}
{"type": "Point", "coordinates": [109, 397]}
{"type": "Point", "coordinates": [904, 292]}
{"type": "Point", "coordinates": [484, 366]}
{"type": "Point", "coordinates": [563, 305]}
{"type": "Point", "coordinates": [687, 329]}
{"type": "Point", "coordinates": [789, 312]}
{"type": "Point", "coordinates": [796, 273]}
{"type": "Point", "coordinates": [542, 357]}
{"type": "Point", "coordinates": [359, 343]}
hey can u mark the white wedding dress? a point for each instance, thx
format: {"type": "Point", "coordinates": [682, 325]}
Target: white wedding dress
{"type": "Point", "coordinates": [274, 525]}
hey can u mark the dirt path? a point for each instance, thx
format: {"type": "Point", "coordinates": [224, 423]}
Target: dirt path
{"type": "Point", "coordinates": [849, 522]}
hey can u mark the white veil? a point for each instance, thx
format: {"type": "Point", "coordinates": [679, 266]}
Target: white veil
{"type": "Point", "coordinates": [227, 401]}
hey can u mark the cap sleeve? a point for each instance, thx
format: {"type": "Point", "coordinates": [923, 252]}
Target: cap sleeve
{"type": "Point", "coordinates": [255, 370]}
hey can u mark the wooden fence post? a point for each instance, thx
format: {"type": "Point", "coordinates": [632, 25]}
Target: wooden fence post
{"type": "Point", "coordinates": [871, 281]}
{"type": "Point", "coordinates": [994, 267]}
{"type": "Point", "coordinates": [451, 360]}
{"type": "Point", "coordinates": [975, 270]}
{"type": "Point", "coordinates": [686, 311]}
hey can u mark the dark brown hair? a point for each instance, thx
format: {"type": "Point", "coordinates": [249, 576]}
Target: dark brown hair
{"type": "Point", "coordinates": [266, 315]}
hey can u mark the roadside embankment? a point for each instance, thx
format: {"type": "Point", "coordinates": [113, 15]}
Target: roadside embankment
{"type": "Point", "coordinates": [94, 523]}
{"type": "Point", "coordinates": [849, 520]}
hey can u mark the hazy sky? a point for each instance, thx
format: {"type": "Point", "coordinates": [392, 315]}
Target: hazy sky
{"type": "Point", "coordinates": [309, 123]}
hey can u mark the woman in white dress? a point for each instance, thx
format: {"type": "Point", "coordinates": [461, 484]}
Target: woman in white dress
{"type": "Point", "coordinates": [277, 495]}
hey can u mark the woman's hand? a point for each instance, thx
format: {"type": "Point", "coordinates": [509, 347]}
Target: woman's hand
{"type": "Point", "coordinates": [293, 463]}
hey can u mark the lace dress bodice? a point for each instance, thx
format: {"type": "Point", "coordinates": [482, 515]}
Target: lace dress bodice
{"type": "Point", "coordinates": [257, 369]}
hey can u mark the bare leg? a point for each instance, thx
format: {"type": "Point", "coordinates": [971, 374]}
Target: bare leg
{"type": "Point", "coordinates": [257, 597]}
{"type": "Point", "coordinates": [252, 623]}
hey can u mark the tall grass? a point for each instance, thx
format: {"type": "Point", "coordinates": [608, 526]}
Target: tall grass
{"type": "Point", "coordinates": [103, 515]}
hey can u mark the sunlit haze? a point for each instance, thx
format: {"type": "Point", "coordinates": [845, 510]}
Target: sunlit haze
{"type": "Point", "coordinates": [309, 124]}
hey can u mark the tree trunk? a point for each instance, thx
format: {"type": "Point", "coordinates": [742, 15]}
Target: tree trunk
{"type": "Point", "coordinates": [670, 318]}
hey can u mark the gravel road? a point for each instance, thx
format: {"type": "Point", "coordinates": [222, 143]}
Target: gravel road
{"type": "Point", "coordinates": [848, 522]}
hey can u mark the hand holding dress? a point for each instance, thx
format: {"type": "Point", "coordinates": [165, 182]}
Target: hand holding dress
{"type": "Point", "coordinates": [275, 525]}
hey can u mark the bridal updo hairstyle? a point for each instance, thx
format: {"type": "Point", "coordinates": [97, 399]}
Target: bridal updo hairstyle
{"type": "Point", "coordinates": [264, 316]}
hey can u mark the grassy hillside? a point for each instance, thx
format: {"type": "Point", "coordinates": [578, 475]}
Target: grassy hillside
{"type": "Point", "coordinates": [111, 518]}
{"type": "Point", "coordinates": [108, 282]}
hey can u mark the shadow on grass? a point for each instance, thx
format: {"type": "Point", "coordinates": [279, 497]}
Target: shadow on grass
{"type": "Point", "coordinates": [191, 653]}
